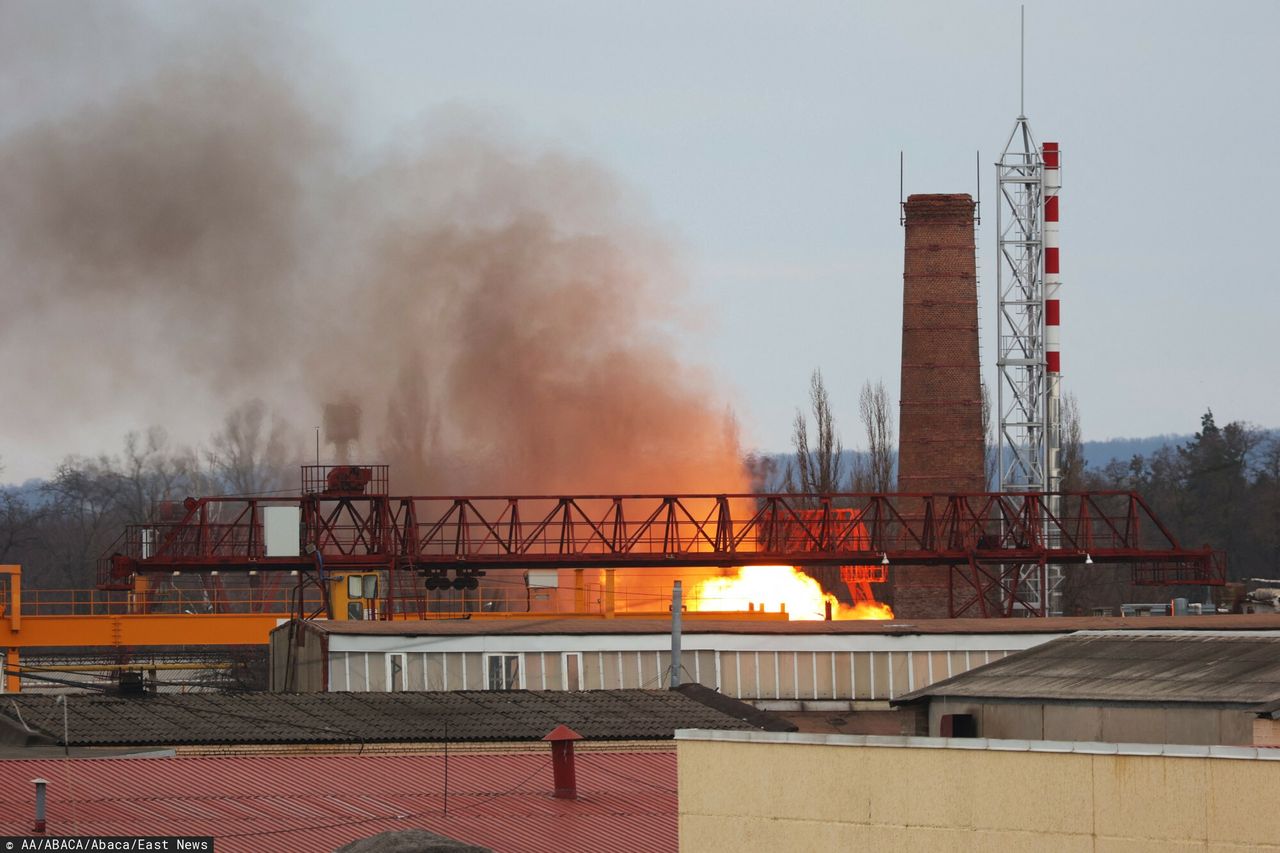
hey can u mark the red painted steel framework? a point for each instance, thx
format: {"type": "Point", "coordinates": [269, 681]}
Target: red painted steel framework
{"type": "Point", "coordinates": [982, 537]}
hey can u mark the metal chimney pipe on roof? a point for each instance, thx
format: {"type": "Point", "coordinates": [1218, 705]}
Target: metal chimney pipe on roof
{"type": "Point", "coordinates": [40, 804]}
{"type": "Point", "coordinates": [562, 764]}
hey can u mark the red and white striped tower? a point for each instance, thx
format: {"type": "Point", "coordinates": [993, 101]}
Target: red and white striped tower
{"type": "Point", "coordinates": [1052, 316]}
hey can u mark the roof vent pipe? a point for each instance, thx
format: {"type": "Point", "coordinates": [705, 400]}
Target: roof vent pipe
{"type": "Point", "coordinates": [562, 766]}
{"type": "Point", "coordinates": [40, 804]}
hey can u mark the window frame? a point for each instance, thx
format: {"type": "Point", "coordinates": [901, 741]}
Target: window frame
{"type": "Point", "coordinates": [404, 672]}
{"type": "Point", "coordinates": [519, 679]}
{"type": "Point", "coordinates": [564, 672]}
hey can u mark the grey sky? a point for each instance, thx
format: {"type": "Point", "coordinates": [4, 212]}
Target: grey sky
{"type": "Point", "coordinates": [766, 136]}
{"type": "Point", "coordinates": [765, 139]}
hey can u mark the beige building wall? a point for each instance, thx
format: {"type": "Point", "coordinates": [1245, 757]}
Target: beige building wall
{"type": "Point", "coordinates": [749, 791]}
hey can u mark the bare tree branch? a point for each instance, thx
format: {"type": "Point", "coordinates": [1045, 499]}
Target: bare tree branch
{"type": "Point", "coordinates": [818, 469]}
{"type": "Point", "coordinates": [251, 452]}
{"type": "Point", "coordinates": [877, 419]}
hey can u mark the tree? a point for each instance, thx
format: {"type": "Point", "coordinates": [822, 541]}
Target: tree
{"type": "Point", "coordinates": [151, 473]}
{"type": "Point", "coordinates": [1266, 500]}
{"type": "Point", "coordinates": [817, 469]}
{"type": "Point", "coordinates": [877, 419]}
{"type": "Point", "coordinates": [19, 522]}
{"type": "Point", "coordinates": [991, 455]}
{"type": "Point", "coordinates": [1216, 472]}
{"type": "Point", "coordinates": [85, 513]}
{"type": "Point", "coordinates": [1071, 450]}
{"type": "Point", "coordinates": [251, 453]}
{"type": "Point", "coordinates": [1219, 488]}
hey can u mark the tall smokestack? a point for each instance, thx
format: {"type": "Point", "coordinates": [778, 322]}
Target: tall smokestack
{"type": "Point", "coordinates": [1052, 316]}
{"type": "Point", "coordinates": [942, 447]}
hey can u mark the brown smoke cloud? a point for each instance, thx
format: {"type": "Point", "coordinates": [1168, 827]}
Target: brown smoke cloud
{"type": "Point", "coordinates": [502, 313]}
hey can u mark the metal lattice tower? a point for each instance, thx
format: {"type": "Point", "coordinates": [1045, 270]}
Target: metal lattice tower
{"type": "Point", "coordinates": [1020, 357]}
{"type": "Point", "coordinates": [1027, 329]}
{"type": "Point", "coordinates": [1021, 397]}
{"type": "Point", "coordinates": [1028, 396]}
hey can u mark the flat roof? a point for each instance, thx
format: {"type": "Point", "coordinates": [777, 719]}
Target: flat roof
{"type": "Point", "coordinates": [584, 625]}
{"type": "Point", "coordinates": [992, 744]}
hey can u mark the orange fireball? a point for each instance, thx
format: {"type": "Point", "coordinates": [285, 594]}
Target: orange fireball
{"type": "Point", "coordinates": [775, 588]}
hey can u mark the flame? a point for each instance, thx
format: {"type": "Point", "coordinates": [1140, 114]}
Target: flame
{"type": "Point", "coordinates": [865, 610]}
{"type": "Point", "coordinates": [776, 587]}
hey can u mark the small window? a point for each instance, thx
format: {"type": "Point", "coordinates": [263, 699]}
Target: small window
{"type": "Point", "coordinates": [395, 672]}
{"type": "Point", "coordinates": [958, 725]}
{"type": "Point", "coordinates": [503, 672]}
{"type": "Point", "coordinates": [571, 670]}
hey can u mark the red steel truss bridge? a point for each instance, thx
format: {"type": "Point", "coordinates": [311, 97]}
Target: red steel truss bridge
{"type": "Point", "coordinates": [345, 521]}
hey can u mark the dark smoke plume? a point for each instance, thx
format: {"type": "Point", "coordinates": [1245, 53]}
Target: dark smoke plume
{"type": "Point", "coordinates": [200, 234]}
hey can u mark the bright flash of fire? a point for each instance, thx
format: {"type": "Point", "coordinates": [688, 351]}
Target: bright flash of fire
{"type": "Point", "coordinates": [776, 586]}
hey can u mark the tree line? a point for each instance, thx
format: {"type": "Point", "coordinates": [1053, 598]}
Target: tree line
{"type": "Point", "coordinates": [58, 528]}
{"type": "Point", "coordinates": [1220, 488]}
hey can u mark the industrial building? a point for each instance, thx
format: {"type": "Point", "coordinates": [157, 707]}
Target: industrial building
{"type": "Point", "coordinates": [762, 791]}
{"type": "Point", "coordinates": [759, 661]}
{"type": "Point", "coordinates": [1190, 687]}
{"type": "Point", "coordinates": [772, 664]}
{"type": "Point", "coordinates": [434, 660]}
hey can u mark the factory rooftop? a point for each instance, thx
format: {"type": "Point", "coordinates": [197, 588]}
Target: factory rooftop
{"type": "Point", "coordinates": [211, 719]}
{"type": "Point", "coordinates": [1233, 668]}
{"type": "Point", "coordinates": [310, 803]}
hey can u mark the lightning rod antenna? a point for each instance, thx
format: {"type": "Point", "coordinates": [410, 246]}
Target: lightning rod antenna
{"type": "Point", "coordinates": [977, 170]}
{"type": "Point", "coordinates": [902, 206]}
{"type": "Point", "coordinates": [1022, 61]}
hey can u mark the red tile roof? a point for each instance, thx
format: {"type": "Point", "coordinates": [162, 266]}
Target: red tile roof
{"type": "Point", "coordinates": [316, 803]}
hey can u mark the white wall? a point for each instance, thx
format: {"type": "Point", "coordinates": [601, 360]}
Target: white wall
{"type": "Point", "coordinates": [745, 666]}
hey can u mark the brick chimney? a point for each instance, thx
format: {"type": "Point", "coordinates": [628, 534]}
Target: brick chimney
{"type": "Point", "coordinates": [941, 445]}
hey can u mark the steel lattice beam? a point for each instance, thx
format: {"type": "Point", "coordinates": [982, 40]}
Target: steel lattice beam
{"type": "Point", "coordinates": [469, 534]}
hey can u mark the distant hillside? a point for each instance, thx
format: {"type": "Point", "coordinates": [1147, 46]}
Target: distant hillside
{"type": "Point", "coordinates": [1098, 453]}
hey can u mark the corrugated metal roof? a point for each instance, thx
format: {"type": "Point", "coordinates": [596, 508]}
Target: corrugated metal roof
{"type": "Point", "coordinates": [291, 718]}
{"type": "Point", "coordinates": [1217, 669]}
{"type": "Point", "coordinates": [316, 803]}
{"type": "Point", "coordinates": [588, 626]}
